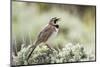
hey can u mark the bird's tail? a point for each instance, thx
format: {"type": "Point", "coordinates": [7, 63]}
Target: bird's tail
{"type": "Point", "coordinates": [32, 48]}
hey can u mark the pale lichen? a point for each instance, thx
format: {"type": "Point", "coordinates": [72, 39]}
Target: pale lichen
{"type": "Point", "coordinates": [43, 55]}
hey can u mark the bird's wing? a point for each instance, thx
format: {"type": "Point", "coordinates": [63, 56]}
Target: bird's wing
{"type": "Point", "coordinates": [45, 33]}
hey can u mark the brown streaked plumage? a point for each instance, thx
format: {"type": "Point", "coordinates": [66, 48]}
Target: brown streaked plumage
{"type": "Point", "coordinates": [46, 34]}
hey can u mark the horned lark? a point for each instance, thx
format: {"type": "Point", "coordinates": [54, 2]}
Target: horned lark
{"type": "Point", "coordinates": [46, 35]}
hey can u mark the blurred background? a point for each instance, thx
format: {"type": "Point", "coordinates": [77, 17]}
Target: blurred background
{"type": "Point", "coordinates": [77, 24]}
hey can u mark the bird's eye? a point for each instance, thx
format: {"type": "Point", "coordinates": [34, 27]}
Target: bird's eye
{"type": "Point", "coordinates": [54, 21]}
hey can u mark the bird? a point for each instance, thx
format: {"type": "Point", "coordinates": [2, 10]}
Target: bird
{"type": "Point", "coordinates": [46, 35]}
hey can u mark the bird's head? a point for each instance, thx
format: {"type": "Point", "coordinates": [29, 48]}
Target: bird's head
{"type": "Point", "coordinates": [54, 21]}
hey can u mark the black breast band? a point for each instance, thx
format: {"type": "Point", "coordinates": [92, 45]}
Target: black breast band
{"type": "Point", "coordinates": [57, 26]}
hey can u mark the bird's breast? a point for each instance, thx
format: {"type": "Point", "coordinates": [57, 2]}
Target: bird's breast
{"type": "Point", "coordinates": [53, 35]}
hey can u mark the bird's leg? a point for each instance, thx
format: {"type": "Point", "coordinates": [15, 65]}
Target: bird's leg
{"type": "Point", "coordinates": [49, 47]}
